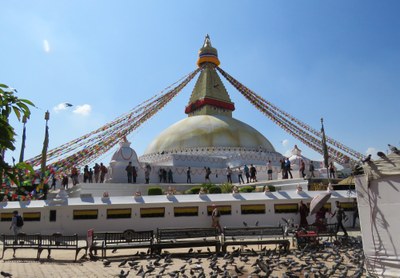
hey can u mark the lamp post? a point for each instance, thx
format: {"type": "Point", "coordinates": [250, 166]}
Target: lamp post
{"type": "Point", "coordinates": [45, 144]}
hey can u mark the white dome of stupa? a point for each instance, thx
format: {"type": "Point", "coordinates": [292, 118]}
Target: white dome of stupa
{"type": "Point", "coordinates": [205, 131]}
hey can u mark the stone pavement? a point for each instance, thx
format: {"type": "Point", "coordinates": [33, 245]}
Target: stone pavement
{"type": "Point", "coordinates": [62, 264]}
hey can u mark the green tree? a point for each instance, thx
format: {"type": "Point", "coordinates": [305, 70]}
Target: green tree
{"type": "Point", "coordinates": [9, 104]}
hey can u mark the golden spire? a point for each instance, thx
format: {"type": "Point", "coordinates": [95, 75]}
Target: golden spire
{"type": "Point", "coordinates": [208, 54]}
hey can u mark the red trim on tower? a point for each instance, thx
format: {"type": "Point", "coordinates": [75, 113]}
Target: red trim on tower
{"type": "Point", "coordinates": [209, 101]}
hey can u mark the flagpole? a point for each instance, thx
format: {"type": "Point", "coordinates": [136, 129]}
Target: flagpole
{"type": "Point", "coordinates": [325, 149]}
{"type": "Point", "coordinates": [45, 144]}
{"type": "Point", "coordinates": [21, 155]}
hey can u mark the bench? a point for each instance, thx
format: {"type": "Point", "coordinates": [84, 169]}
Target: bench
{"type": "Point", "coordinates": [254, 236]}
{"type": "Point", "coordinates": [58, 241]}
{"type": "Point", "coordinates": [328, 230]}
{"type": "Point", "coordinates": [41, 242]}
{"type": "Point", "coordinates": [128, 239]}
{"type": "Point", "coordinates": [186, 237]}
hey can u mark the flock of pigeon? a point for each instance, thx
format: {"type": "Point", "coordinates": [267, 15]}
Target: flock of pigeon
{"type": "Point", "coordinates": [341, 258]}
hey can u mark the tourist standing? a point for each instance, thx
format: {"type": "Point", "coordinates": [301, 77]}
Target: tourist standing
{"type": "Point", "coordinates": [208, 173]}
{"type": "Point", "coordinates": [269, 170]}
{"type": "Point", "coordinates": [302, 168]}
{"type": "Point", "coordinates": [96, 172]}
{"type": "Point", "coordinates": [331, 170]}
{"type": "Point", "coordinates": [160, 174]}
{"type": "Point", "coordinates": [247, 173]}
{"type": "Point", "coordinates": [147, 173]}
{"type": "Point", "coordinates": [90, 175]}
{"type": "Point", "coordinates": [74, 175]}
{"type": "Point", "coordinates": [164, 175]}
{"type": "Point", "coordinates": [53, 181]}
{"type": "Point", "coordinates": [188, 175]}
{"type": "Point", "coordinates": [340, 216]}
{"type": "Point", "coordinates": [216, 215]}
{"type": "Point", "coordinates": [16, 223]}
{"type": "Point", "coordinates": [103, 172]}
{"type": "Point", "coordinates": [253, 173]}
{"type": "Point", "coordinates": [240, 176]}
{"type": "Point", "coordinates": [304, 211]}
{"type": "Point", "coordinates": [288, 168]}
{"type": "Point", "coordinates": [134, 174]}
{"type": "Point", "coordinates": [283, 169]}
{"type": "Point", "coordinates": [311, 169]}
{"type": "Point", "coordinates": [229, 174]}
{"type": "Point", "coordinates": [170, 176]}
{"type": "Point", "coordinates": [85, 174]}
{"type": "Point", "coordinates": [129, 171]}
{"type": "Point", "coordinates": [320, 219]}
{"type": "Point", "coordinates": [64, 181]}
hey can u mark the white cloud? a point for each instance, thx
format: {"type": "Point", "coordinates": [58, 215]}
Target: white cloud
{"type": "Point", "coordinates": [59, 107]}
{"type": "Point", "coordinates": [83, 110]}
{"type": "Point", "coordinates": [285, 142]}
{"type": "Point", "coordinates": [46, 46]}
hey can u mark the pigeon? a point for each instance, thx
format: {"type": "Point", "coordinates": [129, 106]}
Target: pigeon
{"type": "Point", "coordinates": [367, 159]}
{"type": "Point", "coordinates": [106, 263]}
{"type": "Point", "coordinates": [393, 149]}
{"type": "Point", "coordinates": [123, 263]}
{"type": "Point", "coordinates": [122, 274]}
{"type": "Point", "coordinates": [133, 263]}
{"type": "Point", "coordinates": [190, 250]}
{"type": "Point", "coordinates": [245, 224]}
{"type": "Point", "coordinates": [114, 250]}
{"type": "Point", "coordinates": [381, 155]}
{"type": "Point", "coordinates": [140, 271]}
{"type": "Point", "coordinates": [256, 224]}
{"type": "Point", "coordinates": [5, 274]}
{"type": "Point", "coordinates": [237, 270]}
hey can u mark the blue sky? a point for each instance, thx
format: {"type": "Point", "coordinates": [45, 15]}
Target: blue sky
{"type": "Point", "coordinates": [339, 60]}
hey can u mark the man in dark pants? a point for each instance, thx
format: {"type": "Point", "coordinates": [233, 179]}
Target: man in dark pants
{"type": "Point", "coordinates": [340, 216]}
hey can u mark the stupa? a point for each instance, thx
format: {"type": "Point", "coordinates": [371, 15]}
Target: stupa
{"type": "Point", "coordinates": [209, 136]}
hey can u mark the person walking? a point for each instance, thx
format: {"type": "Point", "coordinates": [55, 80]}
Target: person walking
{"type": "Point", "coordinates": [216, 215]}
{"type": "Point", "coordinates": [340, 216]}
{"type": "Point", "coordinates": [16, 223]}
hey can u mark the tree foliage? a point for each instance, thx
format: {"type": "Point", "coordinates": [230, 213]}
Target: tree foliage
{"type": "Point", "coordinates": [9, 104]}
